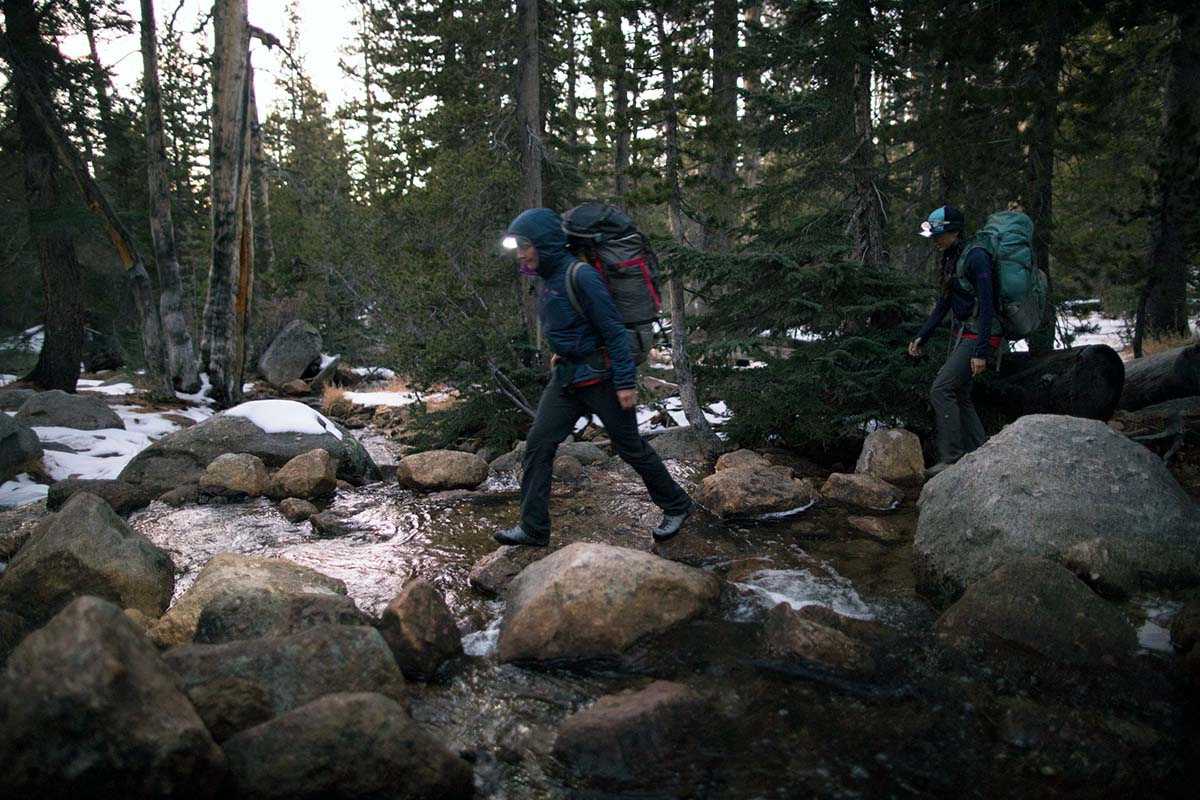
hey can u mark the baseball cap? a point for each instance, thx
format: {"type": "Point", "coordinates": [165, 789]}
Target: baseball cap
{"type": "Point", "coordinates": [943, 220]}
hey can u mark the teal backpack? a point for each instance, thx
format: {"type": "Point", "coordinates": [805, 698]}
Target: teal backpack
{"type": "Point", "coordinates": [1018, 287]}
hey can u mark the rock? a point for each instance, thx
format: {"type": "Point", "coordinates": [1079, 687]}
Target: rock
{"type": "Point", "coordinates": [1057, 487]}
{"type": "Point", "coordinates": [310, 474]}
{"type": "Point", "coordinates": [295, 509]}
{"type": "Point", "coordinates": [441, 469]}
{"type": "Point", "coordinates": [679, 444]}
{"type": "Point", "coordinates": [328, 524]}
{"type": "Point", "coordinates": [326, 375]}
{"type": "Point", "coordinates": [586, 453]}
{"type": "Point", "coordinates": [188, 494]}
{"type": "Point", "coordinates": [233, 573]}
{"type": "Point", "coordinates": [510, 461]}
{"type": "Point", "coordinates": [1032, 604]}
{"type": "Point", "coordinates": [182, 456]}
{"type": "Point", "coordinates": [1185, 628]}
{"type": "Point", "coordinates": [627, 739]}
{"type": "Point", "coordinates": [101, 351]}
{"type": "Point", "coordinates": [493, 573]}
{"type": "Point", "coordinates": [792, 634]}
{"type": "Point", "coordinates": [741, 458]}
{"type": "Point", "coordinates": [124, 498]}
{"type": "Point", "coordinates": [345, 746]}
{"type": "Point", "coordinates": [567, 469]}
{"type": "Point", "coordinates": [56, 408]}
{"type": "Point", "coordinates": [19, 447]}
{"type": "Point", "coordinates": [90, 710]}
{"type": "Point", "coordinates": [261, 614]}
{"type": "Point", "coordinates": [875, 527]}
{"type": "Point", "coordinates": [236, 475]}
{"type": "Point", "coordinates": [230, 705]}
{"type": "Point", "coordinates": [289, 670]}
{"type": "Point", "coordinates": [86, 549]}
{"type": "Point", "coordinates": [12, 399]}
{"type": "Point", "coordinates": [658, 388]}
{"type": "Point", "coordinates": [290, 353]}
{"type": "Point", "coordinates": [17, 524]}
{"type": "Point", "coordinates": [296, 388]}
{"type": "Point", "coordinates": [752, 491]}
{"type": "Point", "coordinates": [893, 456]}
{"type": "Point", "coordinates": [13, 628]}
{"type": "Point", "coordinates": [420, 629]}
{"type": "Point", "coordinates": [860, 490]}
{"type": "Point", "coordinates": [594, 600]}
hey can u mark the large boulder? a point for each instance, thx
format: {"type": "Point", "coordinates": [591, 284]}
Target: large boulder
{"type": "Point", "coordinates": [290, 353]}
{"type": "Point", "coordinates": [861, 490]}
{"type": "Point", "coordinates": [235, 475]}
{"type": "Point", "coordinates": [345, 746]}
{"type": "Point", "coordinates": [679, 444]}
{"type": "Point", "coordinates": [56, 408]}
{"type": "Point", "coordinates": [442, 469]}
{"type": "Point", "coordinates": [585, 453]}
{"type": "Point", "coordinates": [420, 629]}
{"type": "Point", "coordinates": [796, 635]}
{"type": "Point", "coordinates": [1063, 488]}
{"type": "Point", "coordinates": [755, 490]}
{"type": "Point", "coordinates": [1034, 605]}
{"type": "Point", "coordinates": [123, 497]}
{"type": "Point", "coordinates": [12, 398]}
{"type": "Point", "coordinates": [240, 575]}
{"type": "Point", "coordinates": [595, 600]}
{"type": "Point", "coordinates": [275, 431]}
{"type": "Point", "coordinates": [310, 474]}
{"type": "Point", "coordinates": [86, 549]}
{"type": "Point", "coordinates": [90, 711]}
{"type": "Point", "coordinates": [894, 456]}
{"type": "Point", "coordinates": [287, 671]}
{"type": "Point", "coordinates": [741, 458]}
{"type": "Point", "coordinates": [19, 447]}
{"type": "Point", "coordinates": [262, 614]}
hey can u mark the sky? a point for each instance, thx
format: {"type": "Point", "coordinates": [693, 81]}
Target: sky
{"type": "Point", "coordinates": [325, 27]}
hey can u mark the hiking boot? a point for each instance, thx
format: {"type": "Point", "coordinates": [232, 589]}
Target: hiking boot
{"type": "Point", "coordinates": [939, 467]}
{"type": "Point", "coordinates": [671, 523]}
{"type": "Point", "coordinates": [517, 535]}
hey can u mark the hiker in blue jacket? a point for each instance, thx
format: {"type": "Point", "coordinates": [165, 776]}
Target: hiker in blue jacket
{"type": "Point", "coordinates": [592, 372]}
{"type": "Point", "coordinates": [967, 291]}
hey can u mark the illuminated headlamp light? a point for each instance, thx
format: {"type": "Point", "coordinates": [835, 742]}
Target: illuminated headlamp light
{"type": "Point", "coordinates": [513, 242]}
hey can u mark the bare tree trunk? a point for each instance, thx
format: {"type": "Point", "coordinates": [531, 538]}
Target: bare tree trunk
{"type": "Point", "coordinates": [529, 117]}
{"type": "Point", "coordinates": [598, 76]}
{"type": "Point", "coordinates": [683, 366]}
{"type": "Point", "coordinates": [181, 354]}
{"type": "Point", "coordinates": [752, 157]}
{"type": "Point", "coordinates": [618, 58]}
{"type": "Point", "coordinates": [573, 89]}
{"type": "Point", "coordinates": [103, 101]}
{"type": "Point", "coordinates": [262, 180]}
{"type": "Point", "coordinates": [865, 201]}
{"type": "Point", "coordinates": [722, 123]}
{"type": "Point", "coordinates": [231, 89]}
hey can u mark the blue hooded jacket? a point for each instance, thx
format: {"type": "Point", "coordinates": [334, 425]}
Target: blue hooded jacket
{"type": "Point", "coordinates": [572, 336]}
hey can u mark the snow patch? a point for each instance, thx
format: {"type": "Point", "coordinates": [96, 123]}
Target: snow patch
{"type": "Point", "coordinates": [7, 379]}
{"type": "Point", "coordinates": [115, 389]}
{"type": "Point", "coordinates": [327, 360]}
{"type": "Point", "coordinates": [372, 399]}
{"type": "Point", "coordinates": [199, 397]}
{"type": "Point", "coordinates": [285, 416]}
{"type": "Point", "coordinates": [21, 490]}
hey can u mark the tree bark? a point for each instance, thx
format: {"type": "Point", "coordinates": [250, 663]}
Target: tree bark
{"type": "Point", "coordinates": [618, 62]}
{"type": "Point", "coordinates": [1082, 382]}
{"type": "Point", "coordinates": [529, 118]}
{"type": "Point", "coordinates": [722, 125]}
{"type": "Point", "coordinates": [263, 182]}
{"type": "Point", "coordinates": [181, 354]}
{"type": "Point", "coordinates": [1162, 376]}
{"type": "Point", "coordinates": [865, 225]}
{"type": "Point", "coordinates": [679, 356]}
{"type": "Point", "coordinates": [752, 156]}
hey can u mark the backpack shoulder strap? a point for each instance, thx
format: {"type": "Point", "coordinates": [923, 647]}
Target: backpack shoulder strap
{"type": "Point", "coordinates": [572, 286]}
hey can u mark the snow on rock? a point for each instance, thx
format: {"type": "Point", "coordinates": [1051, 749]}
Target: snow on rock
{"type": "Point", "coordinates": [394, 399]}
{"type": "Point", "coordinates": [284, 416]}
{"type": "Point", "coordinates": [199, 397]}
{"type": "Point", "coordinates": [21, 490]}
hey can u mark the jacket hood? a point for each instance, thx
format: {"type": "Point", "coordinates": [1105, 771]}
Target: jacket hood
{"type": "Point", "coordinates": [543, 228]}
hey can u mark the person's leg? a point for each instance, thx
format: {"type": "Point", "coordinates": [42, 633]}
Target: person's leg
{"type": "Point", "coordinates": [556, 416]}
{"type": "Point", "coordinates": [622, 430]}
{"type": "Point", "coordinates": [973, 434]}
{"type": "Point", "coordinates": [952, 382]}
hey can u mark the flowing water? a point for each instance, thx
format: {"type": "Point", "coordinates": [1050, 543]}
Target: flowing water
{"type": "Point", "coordinates": [929, 721]}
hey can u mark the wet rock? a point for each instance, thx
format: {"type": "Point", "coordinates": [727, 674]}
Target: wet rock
{"type": "Point", "coordinates": [290, 670]}
{"type": "Point", "coordinates": [290, 353]}
{"type": "Point", "coordinates": [295, 509]}
{"type": "Point", "coordinates": [594, 600]}
{"type": "Point", "coordinates": [751, 491]}
{"type": "Point", "coordinates": [441, 469]}
{"type": "Point", "coordinates": [329, 524]}
{"type": "Point", "coordinates": [19, 447]}
{"type": "Point", "coordinates": [308, 475]}
{"type": "Point", "coordinates": [420, 630]}
{"type": "Point", "coordinates": [90, 710]}
{"type": "Point", "coordinates": [345, 746]}
{"type": "Point", "coordinates": [296, 388]}
{"type": "Point", "coordinates": [188, 494]}
{"type": "Point", "coordinates": [876, 527]}
{"type": "Point", "coordinates": [11, 399]}
{"type": "Point", "coordinates": [235, 475]}
{"type": "Point", "coordinates": [124, 498]}
{"type": "Point", "coordinates": [56, 408]}
{"type": "Point", "coordinates": [492, 574]}
{"type": "Point", "coordinates": [181, 457]}
{"type": "Point", "coordinates": [260, 614]}
{"type": "Point", "coordinates": [1185, 628]}
{"type": "Point", "coordinates": [234, 573]}
{"type": "Point", "coordinates": [567, 469]}
{"type": "Point", "coordinates": [791, 634]}
{"type": "Point", "coordinates": [893, 456]}
{"type": "Point", "coordinates": [741, 458]}
{"type": "Point", "coordinates": [1034, 605]}
{"type": "Point", "coordinates": [1050, 486]}
{"type": "Point", "coordinates": [654, 735]}
{"type": "Point", "coordinates": [679, 444]}
{"type": "Point", "coordinates": [86, 549]}
{"type": "Point", "coordinates": [861, 491]}
{"type": "Point", "coordinates": [586, 453]}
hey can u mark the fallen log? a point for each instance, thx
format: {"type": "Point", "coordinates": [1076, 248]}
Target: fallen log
{"type": "Point", "coordinates": [1163, 376]}
{"type": "Point", "coordinates": [1080, 382]}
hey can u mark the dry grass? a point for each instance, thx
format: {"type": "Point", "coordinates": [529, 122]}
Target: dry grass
{"type": "Point", "coordinates": [333, 399]}
{"type": "Point", "coordinates": [1152, 346]}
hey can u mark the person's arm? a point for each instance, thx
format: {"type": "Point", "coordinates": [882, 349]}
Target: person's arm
{"type": "Point", "coordinates": [602, 314]}
{"type": "Point", "coordinates": [935, 318]}
{"type": "Point", "coordinates": [979, 272]}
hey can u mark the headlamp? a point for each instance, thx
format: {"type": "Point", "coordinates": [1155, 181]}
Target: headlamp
{"type": "Point", "coordinates": [513, 242]}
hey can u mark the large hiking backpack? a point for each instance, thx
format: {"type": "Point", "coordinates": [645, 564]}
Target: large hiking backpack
{"type": "Point", "coordinates": [606, 238]}
{"type": "Point", "coordinates": [1018, 287]}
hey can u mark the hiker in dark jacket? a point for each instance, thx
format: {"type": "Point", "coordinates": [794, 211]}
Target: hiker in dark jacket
{"type": "Point", "coordinates": [592, 372]}
{"type": "Point", "coordinates": [967, 292]}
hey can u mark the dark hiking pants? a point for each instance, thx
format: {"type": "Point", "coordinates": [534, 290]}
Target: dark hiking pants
{"type": "Point", "coordinates": [557, 413]}
{"type": "Point", "coordinates": [959, 430]}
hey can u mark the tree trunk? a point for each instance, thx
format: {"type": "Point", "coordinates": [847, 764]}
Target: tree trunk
{"type": "Point", "coordinates": [1177, 187]}
{"type": "Point", "coordinates": [263, 181]}
{"type": "Point", "coordinates": [1082, 382]}
{"type": "Point", "coordinates": [679, 356]}
{"type": "Point", "coordinates": [529, 118]}
{"type": "Point", "coordinates": [618, 62]}
{"type": "Point", "coordinates": [1162, 376]}
{"type": "Point", "coordinates": [752, 156]}
{"type": "Point", "coordinates": [231, 89]}
{"type": "Point", "coordinates": [99, 83]}
{"type": "Point", "coordinates": [865, 202]}
{"type": "Point", "coordinates": [181, 354]}
{"type": "Point", "coordinates": [723, 127]}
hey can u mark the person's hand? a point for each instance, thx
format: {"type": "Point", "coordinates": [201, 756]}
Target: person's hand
{"type": "Point", "coordinates": [554, 359]}
{"type": "Point", "coordinates": [914, 348]}
{"type": "Point", "coordinates": [627, 398]}
{"type": "Point", "coordinates": [978, 366]}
